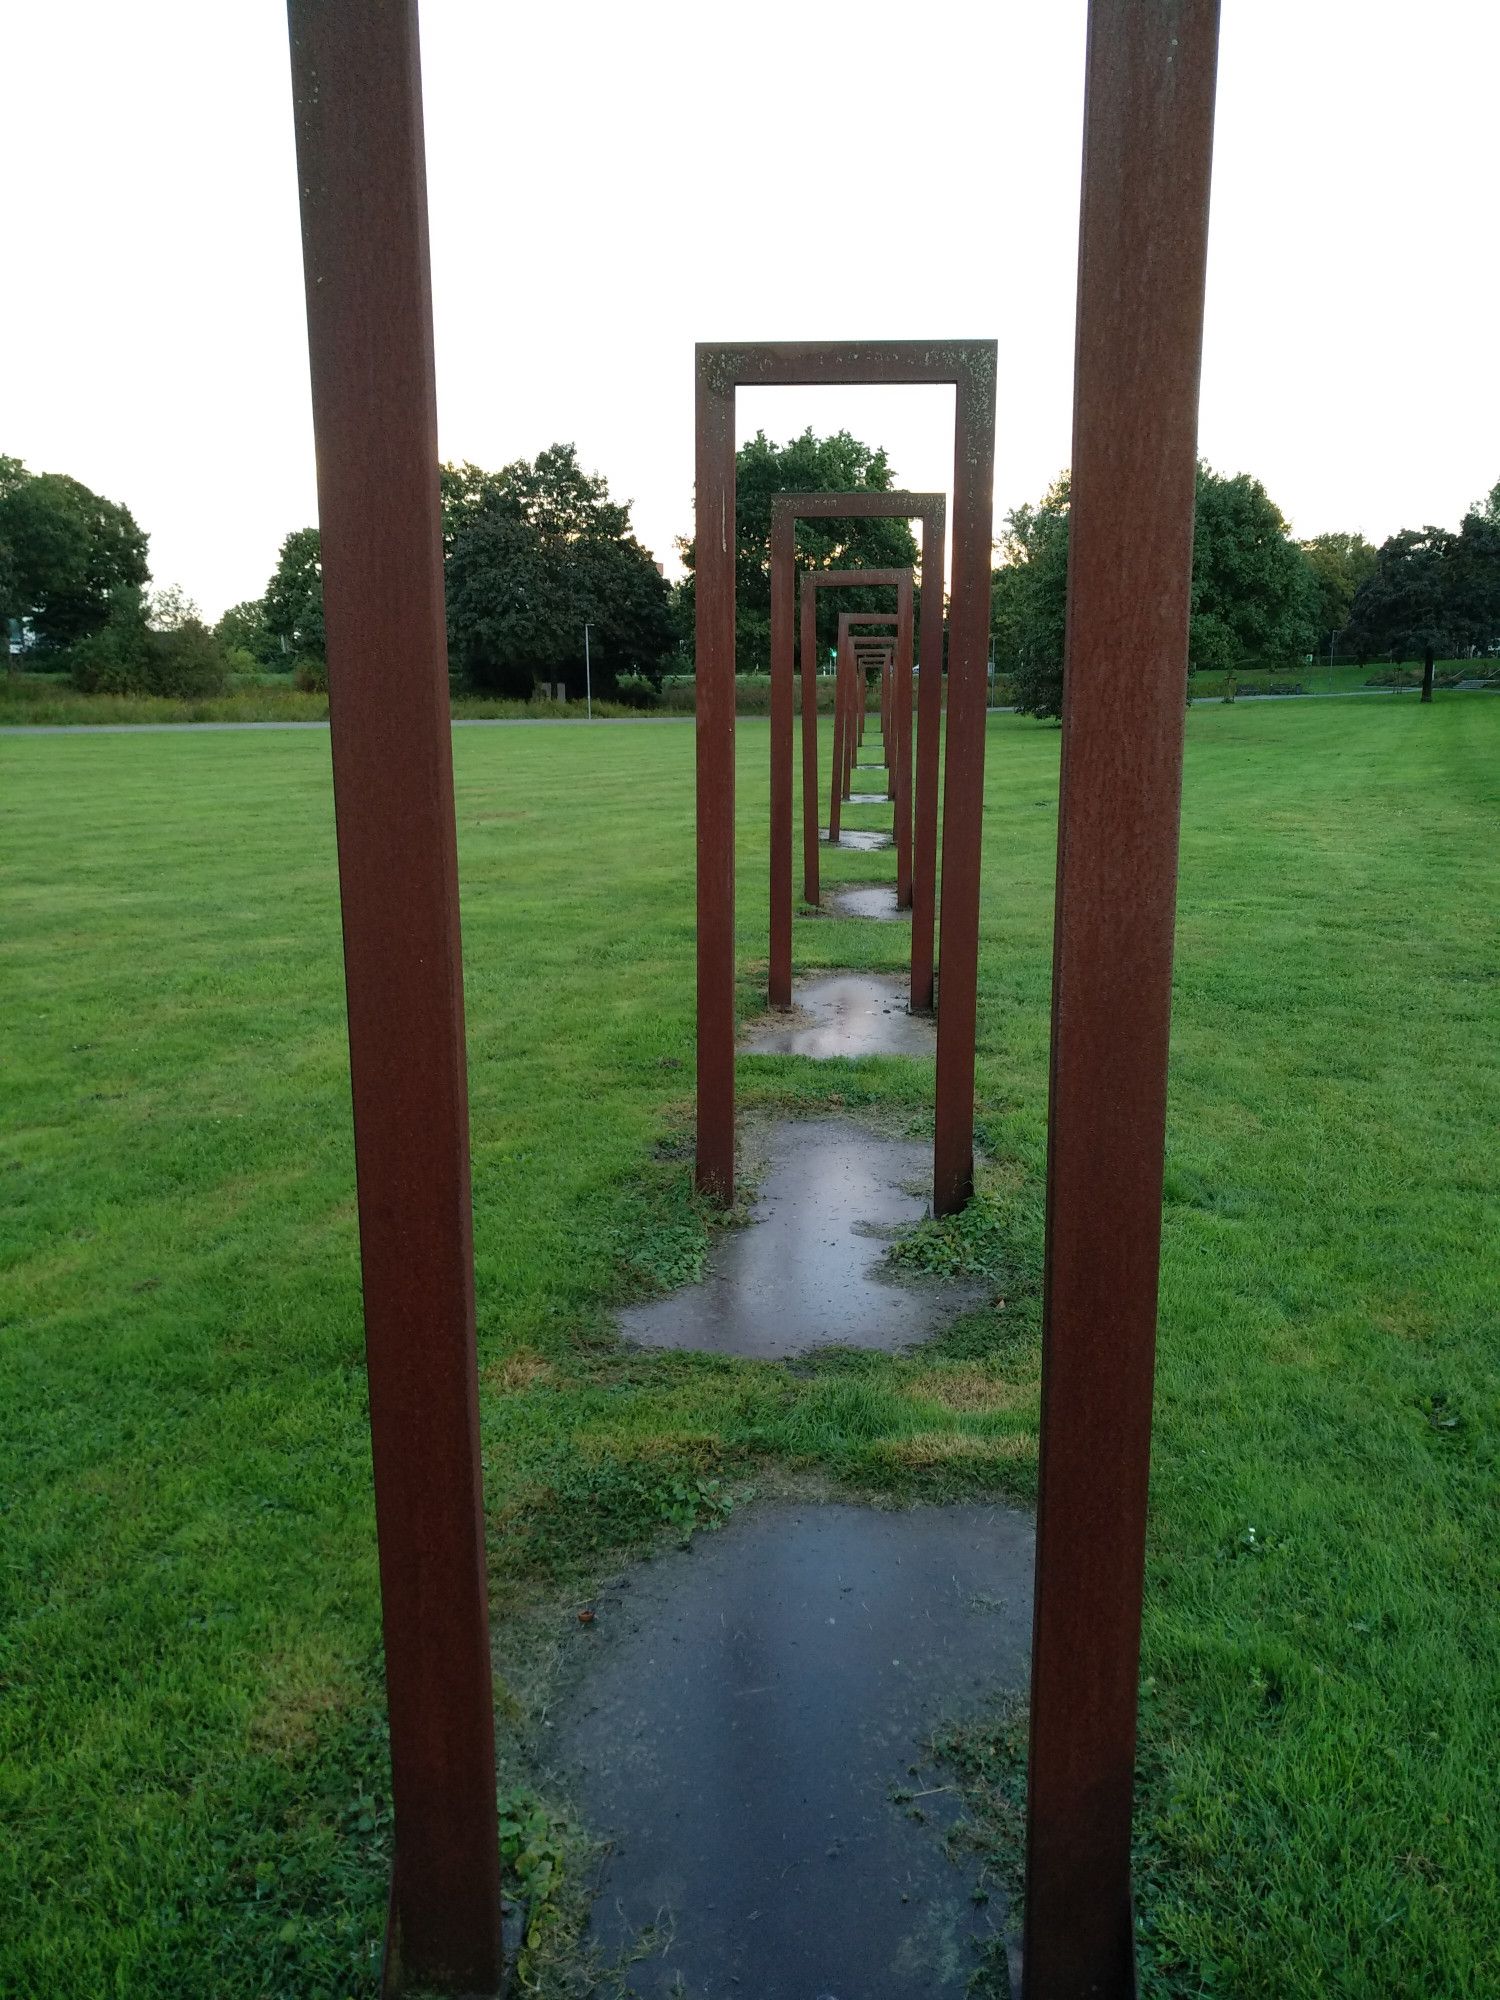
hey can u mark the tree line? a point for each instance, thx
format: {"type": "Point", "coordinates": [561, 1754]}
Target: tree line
{"type": "Point", "coordinates": [1260, 597]}
{"type": "Point", "coordinates": [533, 554]}
{"type": "Point", "coordinates": [539, 552]}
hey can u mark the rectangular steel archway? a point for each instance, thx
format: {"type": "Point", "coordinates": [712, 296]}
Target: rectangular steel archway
{"type": "Point", "coordinates": [916, 851]}
{"type": "Point", "coordinates": [721, 369]}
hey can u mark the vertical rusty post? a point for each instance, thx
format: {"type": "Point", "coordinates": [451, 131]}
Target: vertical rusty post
{"type": "Point", "coordinates": [900, 778]}
{"type": "Point", "coordinates": [783, 539]}
{"type": "Point", "coordinates": [714, 669]}
{"type": "Point", "coordinates": [929, 724]}
{"type": "Point", "coordinates": [808, 657]}
{"type": "Point", "coordinates": [963, 790]}
{"type": "Point", "coordinates": [357, 101]}
{"type": "Point", "coordinates": [1148, 133]}
{"type": "Point", "coordinates": [840, 710]}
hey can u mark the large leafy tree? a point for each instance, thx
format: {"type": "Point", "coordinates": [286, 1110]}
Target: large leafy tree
{"type": "Point", "coordinates": [68, 556]}
{"type": "Point", "coordinates": [294, 597]}
{"type": "Point", "coordinates": [806, 464]}
{"type": "Point", "coordinates": [1432, 591]}
{"type": "Point", "coordinates": [1254, 593]}
{"type": "Point", "coordinates": [1029, 600]}
{"type": "Point", "coordinates": [537, 551]}
{"type": "Point", "coordinates": [1340, 564]}
{"type": "Point", "coordinates": [243, 629]}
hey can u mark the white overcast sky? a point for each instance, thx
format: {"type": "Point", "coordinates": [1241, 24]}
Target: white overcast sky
{"type": "Point", "coordinates": [609, 184]}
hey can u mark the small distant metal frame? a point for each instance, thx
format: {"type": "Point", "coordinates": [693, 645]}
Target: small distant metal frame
{"type": "Point", "coordinates": [916, 851]}
{"type": "Point", "coordinates": [849, 705]}
{"type": "Point", "coordinates": [858, 653]}
{"type": "Point", "coordinates": [721, 370]}
{"type": "Point", "coordinates": [812, 582]}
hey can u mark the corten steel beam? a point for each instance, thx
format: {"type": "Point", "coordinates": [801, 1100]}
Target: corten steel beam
{"type": "Point", "coordinates": [1148, 136]}
{"type": "Point", "coordinates": [358, 110]}
{"type": "Point", "coordinates": [720, 369]}
{"type": "Point", "coordinates": [931, 509]}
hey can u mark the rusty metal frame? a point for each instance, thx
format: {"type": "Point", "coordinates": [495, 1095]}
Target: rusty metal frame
{"type": "Point", "coordinates": [812, 582]}
{"type": "Point", "coordinates": [848, 706]}
{"type": "Point", "coordinates": [786, 510]}
{"type": "Point", "coordinates": [357, 103]}
{"type": "Point", "coordinates": [878, 652]}
{"type": "Point", "coordinates": [848, 718]}
{"type": "Point", "coordinates": [720, 370]}
{"type": "Point", "coordinates": [916, 814]}
{"type": "Point", "coordinates": [1148, 139]}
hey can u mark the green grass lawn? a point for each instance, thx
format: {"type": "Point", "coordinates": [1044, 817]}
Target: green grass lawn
{"type": "Point", "coordinates": [192, 1785]}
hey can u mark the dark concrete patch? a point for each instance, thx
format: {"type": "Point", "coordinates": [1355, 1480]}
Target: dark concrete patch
{"type": "Point", "coordinates": [845, 1014]}
{"type": "Point", "coordinates": [748, 1734]}
{"type": "Point", "coordinates": [861, 840]}
{"type": "Point", "coordinates": [807, 1270]}
{"type": "Point", "coordinates": [868, 899]}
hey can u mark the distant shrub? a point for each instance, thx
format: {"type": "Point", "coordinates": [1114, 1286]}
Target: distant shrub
{"type": "Point", "coordinates": [112, 660]}
{"type": "Point", "coordinates": [310, 675]}
{"type": "Point", "coordinates": [186, 661]}
{"type": "Point", "coordinates": [635, 691]}
{"type": "Point", "coordinates": [127, 657]}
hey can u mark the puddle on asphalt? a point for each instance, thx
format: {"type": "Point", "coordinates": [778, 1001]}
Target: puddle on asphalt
{"type": "Point", "coordinates": [867, 899]}
{"type": "Point", "coordinates": [860, 840]}
{"type": "Point", "coordinates": [845, 1014]}
{"type": "Point", "coordinates": [747, 1734]}
{"type": "Point", "coordinates": [806, 1271]}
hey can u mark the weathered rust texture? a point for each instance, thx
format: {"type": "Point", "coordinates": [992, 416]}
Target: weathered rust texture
{"type": "Point", "coordinates": [358, 113]}
{"type": "Point", "coordinates": [1143, 237]}
{"type": "Point", "coordinates": [969, 365]}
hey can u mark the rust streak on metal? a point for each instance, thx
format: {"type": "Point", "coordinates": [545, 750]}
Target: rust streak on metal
{"type": "Point", "coordinates": [358, 113]}
{"type": "Point", "coordinates": [1147, 148]}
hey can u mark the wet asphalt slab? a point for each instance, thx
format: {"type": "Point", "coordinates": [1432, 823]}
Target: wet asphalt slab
{"type": "Point", "coordinates": [806, 1271]}
{"type": "Point", "coordinates": [845, 1014]}
{"type": "Point", "coordinates": [875, 900]}
{"type": "Point", "coordinates": [859, 840]}
{"type": "Point", "coordinates": [744, 1713]}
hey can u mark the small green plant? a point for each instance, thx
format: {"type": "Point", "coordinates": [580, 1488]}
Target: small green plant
{"type": "Point", "coordinates": [975, 1243]}
{"type": "Point", "coordinates": [533, 1847]}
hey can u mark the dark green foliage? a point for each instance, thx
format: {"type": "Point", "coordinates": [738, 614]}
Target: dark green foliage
{"type": "Point", "coordinates": [1431, 589]}
{"type": "Point", "coordinates": [243, 628]}
{"type": "Point", "coordinates": [1255, 594]}
{"type": "Point", "coordinates": [805, 464]}
{"type": "Point", "coordinates": [1029, 601]}
{"type": "Point", "coordinates": [1340, 564]}
{"type": "Point", "coordinates": [293, 603]}
{"type": "Point", "coordinates": [66, 553]}
{"type": "Point", "coordinates": [536, 552]}
{"type": "Point", "coordinates": [127, 656]}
